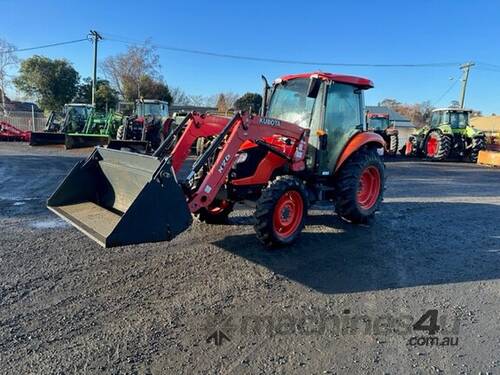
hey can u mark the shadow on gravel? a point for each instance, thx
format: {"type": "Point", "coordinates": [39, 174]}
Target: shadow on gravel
{"type": "Point", "coordinates": [409, 244]}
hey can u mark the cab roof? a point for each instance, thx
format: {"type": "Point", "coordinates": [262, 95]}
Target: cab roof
{"type": "Point", "coordinates": [451, 109]}
{"type": "Point", "coordinates": [361, 82]}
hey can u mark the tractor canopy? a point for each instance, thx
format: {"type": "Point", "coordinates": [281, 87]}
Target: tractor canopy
{"type": "Point", "coordinates": [453, 121]}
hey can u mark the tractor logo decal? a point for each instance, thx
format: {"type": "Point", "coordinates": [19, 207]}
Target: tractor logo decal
{"type": "Point", "coordinates": [269, 121]}
{"type": "Point", "coordinates": [223, 163]}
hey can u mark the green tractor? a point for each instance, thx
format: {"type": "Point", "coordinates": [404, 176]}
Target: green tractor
{"type": "Point", "coordinates": [72, 119]}
{"type": "Point", "coordinates": [98, 130]}
{"type": "Point", "coordinates": [449, 135]}
{"type": "Point", "coordinates": [380, 124]}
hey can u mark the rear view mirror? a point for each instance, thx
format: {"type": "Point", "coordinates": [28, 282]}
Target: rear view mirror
{"type": "Point", "coordinates": [313, 88]}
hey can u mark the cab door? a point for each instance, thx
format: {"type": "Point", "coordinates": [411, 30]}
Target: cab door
{"type": "Point", "coordinates": [343, 118]}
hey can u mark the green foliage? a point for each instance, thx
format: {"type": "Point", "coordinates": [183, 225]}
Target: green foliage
{"type": "Point", "coordinates": [249, 100]}
{"type": "Point", "coordinates": [52, 82]}
{"type": "Point", "coordinates": [149, 88]}
{"type": "Point", "coordinates": [106, 96]}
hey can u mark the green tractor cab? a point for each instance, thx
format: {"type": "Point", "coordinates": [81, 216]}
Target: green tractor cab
{"type": "Point", "coordinates": [449, 135]}
{"type": "Point", "coordinates": [73, 119]}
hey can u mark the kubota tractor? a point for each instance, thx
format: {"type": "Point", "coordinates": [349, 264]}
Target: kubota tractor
{"type": "Point", "coordinates": [449, 135]}
{"type": "Point", "coordinates": [145, 129]}
{"type": "Point", "coordinates": [309, 144]}
{"type": "Point", "coordinates": [380, 124]}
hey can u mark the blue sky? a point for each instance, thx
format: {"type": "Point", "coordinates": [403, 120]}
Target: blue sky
{"type": "Point", "coordinates": [330, 31]}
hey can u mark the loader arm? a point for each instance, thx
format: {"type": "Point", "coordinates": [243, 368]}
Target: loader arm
{"type": "Point", "coordinates": [239, 129]}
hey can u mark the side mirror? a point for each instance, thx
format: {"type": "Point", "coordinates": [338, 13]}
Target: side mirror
{"type": "Point", "coordinates": [313, 88]}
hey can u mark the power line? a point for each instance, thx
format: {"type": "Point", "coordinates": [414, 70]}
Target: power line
{"type": "Point", "coordinates": [110, 37]}
{"type": "Point", "coordinates": [44, 46]}
{"type": "Point", "coordinates": [455, 80]}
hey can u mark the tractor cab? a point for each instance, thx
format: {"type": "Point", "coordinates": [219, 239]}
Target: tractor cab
{"type": "Point", "coordinates": [456, 118]}
{"type": "Point", "coordinates": [150, 107]}
{"type": "Point", "coordinates": [378, 121]}
{"type": "Point", "coordinates": [330, 105]}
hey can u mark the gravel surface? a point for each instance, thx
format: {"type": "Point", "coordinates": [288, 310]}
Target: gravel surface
{"type": "Point", "coordinates": [329, 304]}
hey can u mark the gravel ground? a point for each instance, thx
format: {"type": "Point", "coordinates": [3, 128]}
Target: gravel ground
{"type": "Point", "coordinates": [341, 300]}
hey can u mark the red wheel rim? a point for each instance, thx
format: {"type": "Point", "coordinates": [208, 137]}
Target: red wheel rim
{"type": "Point", "coordinates": [217, 208]}
{"type": "Point", "coordinates": [432, 146]}
{"type": "Point", "coordinates": [409, 148]}
{"type": "Point", "coordinates": [288, 213]}
{"type": "Point", "coordinates": [369, 187]}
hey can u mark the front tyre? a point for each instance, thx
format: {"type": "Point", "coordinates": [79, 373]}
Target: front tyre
{"type": "Point", "coordinates": [359, 186]}
{"type": "Point", "coordinates": [437, 146]}
{"type": "Point", "coordinates": [393, 144]}
{"type": "Point", "coordinates": [478, 144]}
{"type": "Point", "coordinates": [281, 211]}
{"type": "Point", "coordinates": [216, 213]}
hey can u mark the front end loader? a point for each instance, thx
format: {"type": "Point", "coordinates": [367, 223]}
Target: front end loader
{"type": "Point", "coordinates": [448, 136]}
{"type": "Point", "coordinates": [72, 119]}
{"type": "Point", "coordinates": [310, 143]}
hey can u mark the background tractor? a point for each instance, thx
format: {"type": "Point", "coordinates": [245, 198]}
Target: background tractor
{"type": "Point", "coordinates": [380, 124]}
{"type": "Point", "coordinates": [145, 129]}
{"type": "Point", "coordinates": [71, 120]}
{"type": "Point", "coordinates": [449, 135]}
{"type": "Point", "coordinates": [310, 144]}
{"type": "Point", "coordinates": [98, 130]}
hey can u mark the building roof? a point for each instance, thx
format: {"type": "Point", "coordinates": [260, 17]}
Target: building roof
{"type": "Point", "coordinates": [352, 80]}
{"type": "Point", "coordinates": [486, 123]}
{"type": "Point", "coordinates": [400, 120]}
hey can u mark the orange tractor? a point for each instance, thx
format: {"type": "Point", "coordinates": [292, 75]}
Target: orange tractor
{"type": "Point", "coordinates": [380, 124]}
{"type": "Point", "coordinates": [309, 144]}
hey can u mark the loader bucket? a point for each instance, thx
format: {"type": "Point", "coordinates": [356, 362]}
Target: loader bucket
{"type": "Point", "coordinates": [46, 138]}
{"type": "Point", "coordinates": [75, 140]}
{"type": "Point", "coordinates": [121, 198]}
{"type": "Point", "coordinates": [140, 147]}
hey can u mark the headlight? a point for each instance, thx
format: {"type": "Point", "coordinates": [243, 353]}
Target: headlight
{"type": "Point", "coordinates": [242, 157]}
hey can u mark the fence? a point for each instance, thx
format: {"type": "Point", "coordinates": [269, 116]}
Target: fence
{"type": "Point", "coordinates": [24, 120]}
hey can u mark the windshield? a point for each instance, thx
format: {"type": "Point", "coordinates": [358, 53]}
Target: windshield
{"type": "Point", "coordinates": [78, 111]}
{"type": "Point", "coordinates": [379, 123]}
{"type": "Point", "coordinates": [153, 109]}
{"type": "Point", "coordinates": [290, 102]}
{"type": "Point", "coordinates": [459, 119]}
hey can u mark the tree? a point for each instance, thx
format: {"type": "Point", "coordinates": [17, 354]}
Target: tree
{"type": "Point", "coordinates": [247, 101]}
{"type": "Point", "coordinates": [126, 71]}
{"type": "Point", "coordinates": [155, 89]}
{"type": "Point", "coordinates": [221, 103]}
{"type": "Point", "coordinates": [179, 97]}
{"type": "Point", "coordinates": [106, 96]}
{"type": "Point", "coordinates": [7, 60]}
{"type": "Point", "coordinates": [52, 82]}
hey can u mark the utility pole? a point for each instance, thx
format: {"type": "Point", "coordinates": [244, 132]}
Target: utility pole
{"type": "Point", "coordinates": [95, 38]}
{"type": "Point", "coordinates": [465, 76]}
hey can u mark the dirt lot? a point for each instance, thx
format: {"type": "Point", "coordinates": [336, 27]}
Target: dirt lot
{"type": "Point", "coordinates": [68, 306]}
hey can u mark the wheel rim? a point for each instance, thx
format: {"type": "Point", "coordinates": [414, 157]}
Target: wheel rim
{"type": "Point", "coordinates": [432, 146]}
{"type": "Point", "coordinates": [409, 148]}
{"type": "Point", "coordinates": [369, 187]}
{"type": "Point", "coordinates": [288, 213]}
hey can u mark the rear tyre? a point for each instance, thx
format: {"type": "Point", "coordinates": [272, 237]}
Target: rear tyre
{"type": "Point", "coordinates": [437, 146]}
{"type": "Point", "coordinates": [281, 211]}
{"type": "Point", "coordinates": [478, 144]}
{"type": "Point", "coordinates": [120, 133]}
{"type": "Point", "coordinates": [393, 144]}
{"type": "Point", "coordinates": [359, 187]}
{"type": "Point", "coordinates": [216, 213]}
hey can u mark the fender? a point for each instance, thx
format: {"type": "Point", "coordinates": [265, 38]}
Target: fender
{"type": "Point", "coordinates": [358, 141]}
